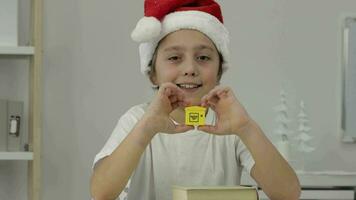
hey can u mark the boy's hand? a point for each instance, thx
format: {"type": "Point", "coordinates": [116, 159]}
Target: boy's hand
{"type": "Point", "coordinates": [231, 115]}
{"type": "Point", "coordinates": [167, 99]}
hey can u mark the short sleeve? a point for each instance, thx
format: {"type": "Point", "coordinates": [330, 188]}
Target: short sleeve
{"type": "Point", "coordinates": [244, 156]}
{"type": "Point", "coordinates": [122, 129]}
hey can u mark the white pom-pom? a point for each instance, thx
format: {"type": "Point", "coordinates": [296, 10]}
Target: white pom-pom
{"type": "Point", "coordinates": [146, 29]}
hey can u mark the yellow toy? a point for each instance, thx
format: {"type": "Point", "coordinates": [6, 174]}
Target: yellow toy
{"type": "Point", "coordinates": [195, 115]}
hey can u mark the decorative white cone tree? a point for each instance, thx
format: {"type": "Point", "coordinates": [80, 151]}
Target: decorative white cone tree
{"type": "Point", "coordinates": [303, 136]}
{"type": "Point", "coordinates": [282, 130]}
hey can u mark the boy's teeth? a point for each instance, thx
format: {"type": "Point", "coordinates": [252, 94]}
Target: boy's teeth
{"type": "Point", "coordinates": [188, 86]}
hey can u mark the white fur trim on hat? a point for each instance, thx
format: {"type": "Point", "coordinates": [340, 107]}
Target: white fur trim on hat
{"type": "Point", "coordinates": [196, 20]}
{"type": "Point", "coordinates": [146, 29]}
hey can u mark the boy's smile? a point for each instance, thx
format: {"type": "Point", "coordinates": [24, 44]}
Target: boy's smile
{"type": "Point", "coordinates": [189, 87]}
{"type": "Point", "coordinates": [190, 60]}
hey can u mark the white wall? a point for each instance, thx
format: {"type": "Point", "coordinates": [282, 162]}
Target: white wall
{"type": "Point", "coordinates": [91, 77]}
{"type": "Point", "coordinates": [296, 43]}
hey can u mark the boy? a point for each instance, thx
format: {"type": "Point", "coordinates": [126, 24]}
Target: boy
{"type": "Point", "coordinates": [184, 52]}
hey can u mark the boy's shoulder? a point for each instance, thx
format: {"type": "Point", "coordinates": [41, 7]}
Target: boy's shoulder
{"type": "Point", "coordinates": [137, 110]}
{"type": "Point", "coordinates": [132, 116]}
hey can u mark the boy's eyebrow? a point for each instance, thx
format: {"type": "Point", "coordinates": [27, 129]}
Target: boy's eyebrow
{"type": "Point", "coordinates": [177, 48]}
{"type": "Point", "coordinates": [202, 47]}
{"type": "Point", "coordinates": [173, 48]}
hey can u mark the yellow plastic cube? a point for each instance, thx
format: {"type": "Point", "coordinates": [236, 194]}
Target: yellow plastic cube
{"type": "Point", "coordinates": [195, 115]}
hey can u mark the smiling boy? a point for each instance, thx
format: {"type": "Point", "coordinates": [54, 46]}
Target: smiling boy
{"type": "Point", "coordinates": [152, 148]}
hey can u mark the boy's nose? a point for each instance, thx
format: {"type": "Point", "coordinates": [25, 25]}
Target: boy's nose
{"type": "Point", "coordinates": [190, 69]}
{"type": "Point", "coordinates": [189, 74]}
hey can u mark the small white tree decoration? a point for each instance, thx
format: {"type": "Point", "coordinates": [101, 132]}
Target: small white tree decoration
{"type": "Point", "coordinates": [303, 136]}
{"type": "Point", "coordinates": [282, 130]}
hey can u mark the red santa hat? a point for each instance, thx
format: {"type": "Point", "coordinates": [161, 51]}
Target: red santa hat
{"type": "Point", "coordinates": [166, 16]}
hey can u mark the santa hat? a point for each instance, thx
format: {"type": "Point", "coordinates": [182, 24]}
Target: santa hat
{"type": "Point", "coordinates": [166, 16]}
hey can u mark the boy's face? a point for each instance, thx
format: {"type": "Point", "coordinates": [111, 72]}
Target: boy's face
{"type": "Point", "coordinates": [190, 60]}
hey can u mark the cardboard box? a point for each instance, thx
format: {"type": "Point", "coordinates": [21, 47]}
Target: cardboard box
{"type": "Point", "coordinates": [214, 193]}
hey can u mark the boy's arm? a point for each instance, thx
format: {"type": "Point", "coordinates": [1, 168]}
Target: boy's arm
{"type": "Point", "coordinates": [272, 173]}
{"type": "Point", "coordinates": [113, 172]}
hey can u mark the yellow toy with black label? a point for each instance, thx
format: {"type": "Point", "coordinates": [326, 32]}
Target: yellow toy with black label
{"type": "Point", "coordinates": [195, 115]}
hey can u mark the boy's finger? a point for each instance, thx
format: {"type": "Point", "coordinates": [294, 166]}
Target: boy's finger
{"type": "Point", "coordinates": [182, 104]}
{"type": "Point", "coordinates": [168, 88]}
{"type": "Point", "coordinates": [213, 99]}
{"type": "Point", "coordinates": [175, 105]}
{"type": "Point", "coordinates": [212, 105]}
{"type": "Point", "coordinates": [168, 91]}
{"type": "Point", "coordinates": [224, 92]}
{"type": "Point", "coordinates": [203, 101]}
{"type": "Point", "coordinates": [215, 89]}
{"type": "Point", "coordinates": [181, 96]}
{"type": "Point", "coordinates": [173, 98]}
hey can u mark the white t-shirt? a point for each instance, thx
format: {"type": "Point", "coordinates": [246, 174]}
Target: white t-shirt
{"type": "Point", "coordinates": [193, 158]}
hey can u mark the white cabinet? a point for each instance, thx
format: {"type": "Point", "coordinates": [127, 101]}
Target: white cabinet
{"type": "Point", "coordinates": [32, 52]}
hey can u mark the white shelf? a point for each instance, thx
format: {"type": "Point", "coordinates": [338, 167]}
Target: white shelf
{"type": "Point", "coordinates": [319, 194]}
{"type": "Point", "coordinates": [16, 156]}
{"type": "Point", "coordinates": [310, 179]}
{"type": "Point", "coordinates": [17, 50]}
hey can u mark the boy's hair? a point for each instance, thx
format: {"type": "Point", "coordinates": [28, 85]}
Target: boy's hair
{"type": "Point", "coordinates": [166, 16]}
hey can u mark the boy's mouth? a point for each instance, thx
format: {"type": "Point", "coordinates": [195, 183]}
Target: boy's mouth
{"type": "Point", "coordinates": [189, 86]}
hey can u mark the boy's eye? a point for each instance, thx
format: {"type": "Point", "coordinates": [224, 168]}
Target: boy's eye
{"type": "Point", "coordinates": [203, 58]}
{"type": "Point", "coordinates": [173, 58]}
